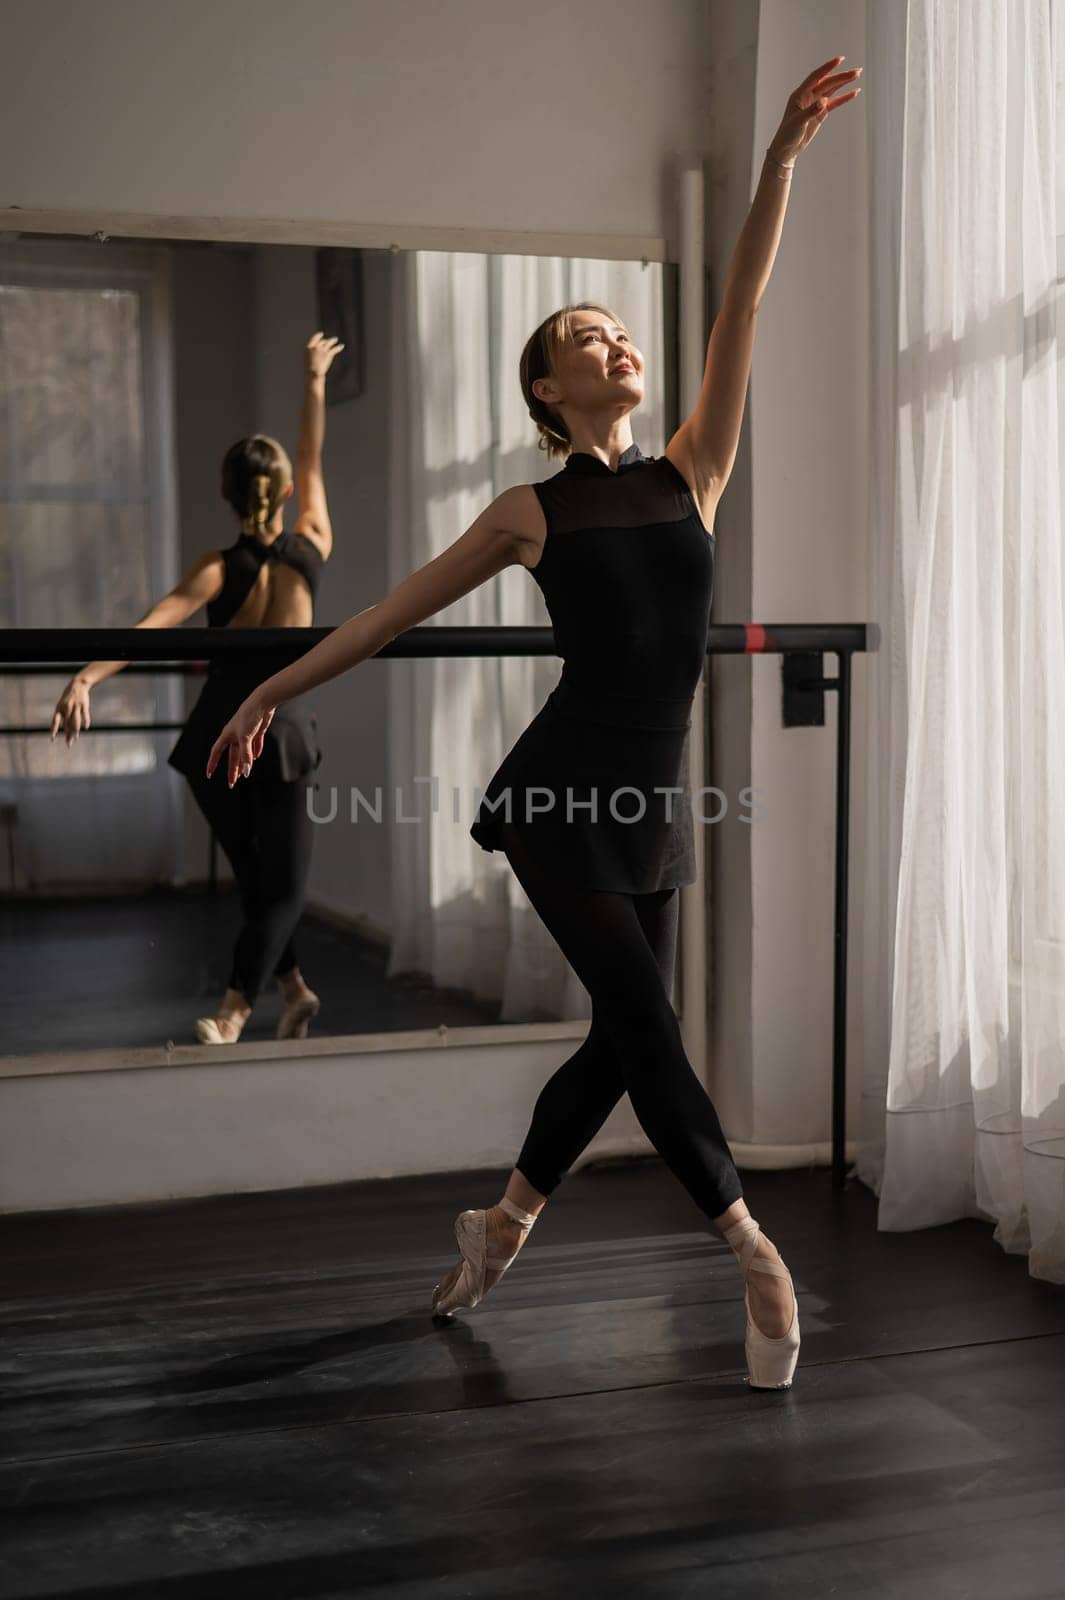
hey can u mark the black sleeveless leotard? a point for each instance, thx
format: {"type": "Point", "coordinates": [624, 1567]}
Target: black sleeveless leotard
{"type": "Point", "coordinates": [627, 574]}
{"type": "Point", "coordinates": [290, 749]}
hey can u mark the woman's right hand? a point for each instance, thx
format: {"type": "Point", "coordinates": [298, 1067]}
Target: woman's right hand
{"type": "Point", "coordinates": [321, 353]}
{"type": "Point", "coordinates": [242, 737]}
{"type": "Point", "coordinates": [72, 710]}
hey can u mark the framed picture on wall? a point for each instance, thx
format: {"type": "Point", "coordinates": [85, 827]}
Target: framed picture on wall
{"type": "Point", "coordinates": [342, 315]}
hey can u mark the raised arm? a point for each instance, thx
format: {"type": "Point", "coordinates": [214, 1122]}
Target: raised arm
{"type": "Point", "coordinates": [707, 441]}
{"type": "Point", "coordinates": [199, 585]}
{"type": "Point", "coordinates": [490, 544]}
{"type": "Point", "coordinates": [313, 519]}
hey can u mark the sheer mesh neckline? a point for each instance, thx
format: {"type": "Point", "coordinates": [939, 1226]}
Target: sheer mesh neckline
{"type": "Point", "coordinates": [585, 461]}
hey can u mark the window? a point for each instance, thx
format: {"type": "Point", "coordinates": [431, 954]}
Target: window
{"type": "Point", "coordinates": [83, 520]}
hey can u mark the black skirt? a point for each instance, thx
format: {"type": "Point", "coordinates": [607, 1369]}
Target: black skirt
{"type": "Point", "coordinates": [290, 749]}
{"type": "Point", "coordinates": [618, 753]}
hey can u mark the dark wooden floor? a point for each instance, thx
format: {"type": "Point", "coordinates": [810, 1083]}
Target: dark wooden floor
{"type": "Point", "coordinates": [247, 1397]}
{"type": "Point", "coordinates": [138, 969]}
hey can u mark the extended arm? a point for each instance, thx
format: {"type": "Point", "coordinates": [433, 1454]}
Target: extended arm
{"type": "Point", "coordinates": [313, 519]}
{"type": "Point", "coordinates": [489, 545]}
{"type": "Point", "coordinates": [199, 585]}
{"type": "Point", "coordinates": [709, 439]}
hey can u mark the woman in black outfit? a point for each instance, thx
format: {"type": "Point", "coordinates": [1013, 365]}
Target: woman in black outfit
{"type": "Point", "coordinates": [266, 579]}
{"type": "Point", "coordinates": [619, 545]}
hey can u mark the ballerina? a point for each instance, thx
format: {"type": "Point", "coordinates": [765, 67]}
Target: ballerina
{"type": "Point", "coordinates": [620, 545]}
{"type": "Point", "coordinates": [266, 579]}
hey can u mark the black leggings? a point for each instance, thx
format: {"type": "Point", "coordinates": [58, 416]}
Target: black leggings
{"type": "Point", "coordinates": [623, 949]}
{"type": "Point", "coordinates": [263, 827]}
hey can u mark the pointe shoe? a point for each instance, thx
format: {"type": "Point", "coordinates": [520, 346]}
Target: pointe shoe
{"type": "Point", "coordinates": [208, 1031]}
{"type": "Point", "coordinates": [770, 1362]}
{"type": "Point", "coordinates": [296, 1014]}
{"type": "Point", "coordinates": [471, 1237]}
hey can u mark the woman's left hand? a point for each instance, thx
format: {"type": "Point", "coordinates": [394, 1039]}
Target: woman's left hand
{"type": "Point", "coordinates": [243, 737]}
{"type": "Point", "coordinates": [809, 106]}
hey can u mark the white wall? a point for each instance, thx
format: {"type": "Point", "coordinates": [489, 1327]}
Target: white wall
{"type": "Point", "coordinates": [122, 1127]}
{"type": "Point", "coordinates": [791, 547]}
{"type": "Point", "coordinates": [809, 459]}
{"type": "Point", "coordinates": [477, 113]}
{"type": "Point", "coordinates": [730, 1077]}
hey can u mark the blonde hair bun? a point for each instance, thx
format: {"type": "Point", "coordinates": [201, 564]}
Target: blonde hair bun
{"type": "Point", "coordinates": [255, 475]}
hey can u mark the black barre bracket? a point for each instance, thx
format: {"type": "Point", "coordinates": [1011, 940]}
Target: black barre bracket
{"type": "Point", "coordinates": [803, 699]}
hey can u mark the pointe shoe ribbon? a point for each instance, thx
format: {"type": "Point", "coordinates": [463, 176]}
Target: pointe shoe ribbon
{"type": "Point", "coordinates": [770, 1362]}
{"type": "Point", "coordinates": [472, 1239]}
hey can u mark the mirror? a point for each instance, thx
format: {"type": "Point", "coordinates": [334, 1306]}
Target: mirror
{"type": "Point", "coordinates": [129, 367]}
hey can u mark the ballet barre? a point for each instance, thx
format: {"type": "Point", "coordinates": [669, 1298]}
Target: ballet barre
{"type": "Point", "coordinates": [28, 652]}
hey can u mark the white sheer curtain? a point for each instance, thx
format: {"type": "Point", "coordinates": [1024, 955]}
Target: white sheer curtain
{"type": "Point", "coordinates": [965, 892]}
{"type": "Point", "coordinates": [461, 434]}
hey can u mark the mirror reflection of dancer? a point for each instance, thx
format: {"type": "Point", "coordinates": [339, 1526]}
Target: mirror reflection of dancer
{"type": "Point", "coordinates": [266, 579]}
{"type": "Point", "coordinates": [619, 544]}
